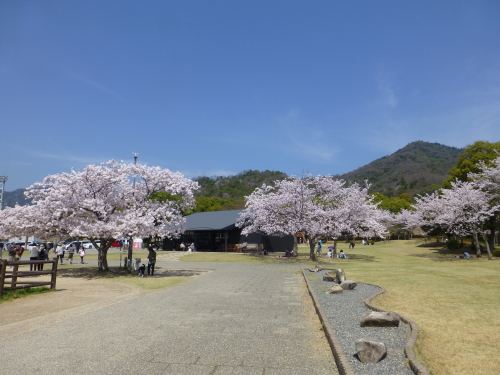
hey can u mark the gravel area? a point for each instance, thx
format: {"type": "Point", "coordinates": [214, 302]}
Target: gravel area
{"type": "Point", "coordinates": [344, 312]}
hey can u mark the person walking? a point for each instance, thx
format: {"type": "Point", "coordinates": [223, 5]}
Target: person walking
{"type": "Point", "coordinates": [82, 254]}
{"type": "Point", "coordinates": [19, 252]}
{"type": "Point", "coordinates": [11, 248]}
{"type": "Point", "coordinates": [60, 251]}
{"type": "Point", "coordinates": [151, 261]}
{"type": "Point", "coordinates": [42, 255]}
{"type": "Point", "coordinates": [33, 255]}
{"type": "Point", "coordinates": [318, 251]}
{"type": "Point", "coordinates": [71, 252]}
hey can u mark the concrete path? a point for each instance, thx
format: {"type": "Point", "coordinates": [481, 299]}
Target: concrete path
{"type": "Point", "coordinates": [239, 318]}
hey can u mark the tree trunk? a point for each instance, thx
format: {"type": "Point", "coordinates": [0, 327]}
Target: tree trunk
{"type": "Point", "coordinates": [295, 246]}
{"type": "Point", "coordinates": [490, 257]}
{"type": "Point", "coordinates": [476, 242]}
{"type": "Point", "coordinates": [102, 260]}
{"type": "Point", "coordinates": [312, 250]}
{"type": "Point", "coordinates": [491, 237]}
{"type": "Point", "coordinates": [335, 246]}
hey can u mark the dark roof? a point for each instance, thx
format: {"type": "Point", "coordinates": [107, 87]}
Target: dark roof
{"type": "Point", "coordinates": [213, 220]}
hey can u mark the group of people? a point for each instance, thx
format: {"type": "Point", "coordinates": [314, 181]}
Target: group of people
{"type": "Point", "coordinates": [329, 254]}
{"type": "Point", "coordinates": [37, 252]}
{"type": "Point", "coordinates": [189, 248]}
{"type": "Point", "coordinates": [72, 249]}
{"type": "Point", "coordinates": [41, 252]}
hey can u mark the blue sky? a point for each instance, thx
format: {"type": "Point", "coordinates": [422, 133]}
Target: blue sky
{"type": "Point", "coordinates": [218, 87]}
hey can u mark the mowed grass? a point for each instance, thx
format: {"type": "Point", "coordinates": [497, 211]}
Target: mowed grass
{"type": "Point", "coordinates": [455, 302]}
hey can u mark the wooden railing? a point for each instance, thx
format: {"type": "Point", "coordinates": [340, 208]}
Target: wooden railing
{"type": "Point", "coordinates": [9, 277]}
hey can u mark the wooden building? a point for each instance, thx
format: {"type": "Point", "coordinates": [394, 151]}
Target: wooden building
{"type": "Point", "coordinates": [217, 231]}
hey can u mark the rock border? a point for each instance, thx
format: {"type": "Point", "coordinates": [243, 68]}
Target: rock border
{"type": "Point", "coordinates": [416, 366]}
{"type": "Point", "coordinates": [338, 353]}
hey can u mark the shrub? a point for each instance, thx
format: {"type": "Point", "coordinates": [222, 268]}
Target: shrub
{"type": "Point", "coordinates": [496, 253]}
{"type": "Point", "coordinates": [453, 244]}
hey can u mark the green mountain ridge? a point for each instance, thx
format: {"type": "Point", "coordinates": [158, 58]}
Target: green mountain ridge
{"type": "Point", "coordinates": [417, 168]}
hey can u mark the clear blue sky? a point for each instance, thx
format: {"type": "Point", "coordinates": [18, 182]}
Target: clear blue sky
{"type": "Point", "coordinates": [218, 87]}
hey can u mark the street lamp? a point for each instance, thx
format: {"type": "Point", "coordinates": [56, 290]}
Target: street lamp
{"type": "Point", "coordinates": [129, 255]}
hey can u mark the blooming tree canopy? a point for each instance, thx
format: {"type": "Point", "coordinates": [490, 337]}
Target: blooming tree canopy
{"type": "Point", "coordinates": [317, 206]}
{"type": "Point", "coordinates": [462, 210]}
{"type": "Point", "coordinates": [104, 203]}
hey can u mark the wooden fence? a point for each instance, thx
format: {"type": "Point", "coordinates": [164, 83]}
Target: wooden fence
{"type": "Point", "coordinates": [15, 278]}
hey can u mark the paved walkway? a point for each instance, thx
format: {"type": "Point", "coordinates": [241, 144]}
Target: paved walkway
{"type": "Point", "coordinates": [240, 318]}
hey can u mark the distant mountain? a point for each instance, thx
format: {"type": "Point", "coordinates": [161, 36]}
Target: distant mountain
{"type": "Point", "coordinates": [417, 168]}
{"type": "Point", "coordinates": [10, 199]}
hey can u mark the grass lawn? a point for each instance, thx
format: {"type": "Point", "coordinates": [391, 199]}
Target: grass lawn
{"type": "Point", "coordinates": [455, 302]}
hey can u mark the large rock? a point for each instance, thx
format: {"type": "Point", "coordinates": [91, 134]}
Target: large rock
{"type": "Point", "coordinates": [335, 289]}
{"type": "Point", "coordinates": [340, 275]}
{"type": "Point", "coordinates": [330, 276]}
{"type": "Point", "coordinates": [370, 350]}
{"type": "Point", "coordinates": [349, 284]}
{"type": "Point", "coordinates": [316, 269]}
{"type": "Point", "coordinates": [380, 319]}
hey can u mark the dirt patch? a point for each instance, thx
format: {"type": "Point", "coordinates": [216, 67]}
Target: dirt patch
{"type": "Point", "coordinates": [73, 297]}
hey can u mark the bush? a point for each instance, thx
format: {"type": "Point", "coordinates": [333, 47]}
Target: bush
{"type": "Point", "coordinates": [496, 253]}
{"type": "Point", "coordinates": [453, 244]}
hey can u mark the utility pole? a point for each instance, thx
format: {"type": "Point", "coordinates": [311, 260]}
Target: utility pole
{"type": "Point", "coordinates": [3, 180]}
{"type": "Point", "coordinates": [129, 255]}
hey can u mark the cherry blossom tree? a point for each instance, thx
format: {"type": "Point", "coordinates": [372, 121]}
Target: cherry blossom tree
{"type": "Point", "coordinates": [488, 179]}
{"type": "Point", "coordinates": [104, 203]}
{"type": "Point", "coordinates": [316, 206]}
{"type": "Point", "coordinates": [462, 209]}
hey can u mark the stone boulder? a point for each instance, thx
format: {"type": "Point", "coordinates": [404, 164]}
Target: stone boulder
{"type": "Point", "coordinates": [370, 350]}
{"type": "Point", "coordinates": [380, 319]}
{"type": "Point", "coordinates": [335, 289]}
{"type": "Point", "coordinates": [316, 269]}
{"type": "Point", "coordinates": [340, 275]}
{"type": "Point", "coordinates": [330, 276]}
{"type": "Point", "coordinates": [349, 284]}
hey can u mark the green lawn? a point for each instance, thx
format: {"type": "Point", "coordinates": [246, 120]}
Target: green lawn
{"type": "Point", "coordinates": [455, 302]}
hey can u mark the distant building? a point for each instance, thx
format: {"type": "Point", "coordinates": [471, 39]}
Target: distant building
{"type": "Point", "coordinates": [217, 231]}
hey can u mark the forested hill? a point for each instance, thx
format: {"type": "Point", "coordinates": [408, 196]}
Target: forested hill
{"type": "Point", "coordinates": [417, 168]}
{"type": "Point", "coordinates": [236, 186]}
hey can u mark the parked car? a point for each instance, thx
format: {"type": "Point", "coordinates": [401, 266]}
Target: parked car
{"type": "Point", "coordinates": [84, 244]}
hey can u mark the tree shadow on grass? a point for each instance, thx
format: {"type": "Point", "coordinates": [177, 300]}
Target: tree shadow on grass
{"type": "Point", "coordinates": [92, 273]}
{"type": "Point", "coordinates": [443, 254]}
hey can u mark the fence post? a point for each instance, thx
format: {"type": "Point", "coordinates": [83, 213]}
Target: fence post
{"type": "Point", "coordinates": [53, 274]}
{"type": "Point", "coordinates": [15, 268]}
{"type": "Point", "coordinates": [3, 268]}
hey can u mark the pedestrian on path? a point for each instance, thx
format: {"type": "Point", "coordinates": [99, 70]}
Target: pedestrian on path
{"type": "Point", "coordinates": [33, 255]}
{"type": "Point", "coordinates": [71, 252]}
{"type": "Point", "coordinates": [42, 255]}
{"type": "Point", "coordinates": [60, 251]}
{"type": "Point", "coordinates": [151, 261]}
{"type": "Point", "coordinates": [82, 254]}
{"type": "Point", "coordinates": [12, 253]}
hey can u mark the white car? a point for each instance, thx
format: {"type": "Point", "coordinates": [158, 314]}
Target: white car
{"type": "Point", "coordinates": [84, 244]}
